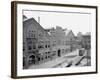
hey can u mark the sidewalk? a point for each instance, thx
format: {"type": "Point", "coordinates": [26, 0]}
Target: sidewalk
{"type": "Point", "coordinates": [49, 64]}
{"type": "Point", "coordinates": [52, 63]}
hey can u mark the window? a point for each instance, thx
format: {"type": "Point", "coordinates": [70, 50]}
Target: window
{"type": "Point", "coordinates": [29, 47]}
{"type": "Point", "coordinates": [34, 46]}
{"type": "Point", "coordinates": [54, 43]}
{"type": "Point", "coordinates": [39, 59]}
{"type": "Point", "coordinates": [46, 57]}
{"type": "Point", "coordinates": [46, 46]}
{"type": "Point", "coordinates": [40, 35]}
{"type": "Point", "coordinates": [34, 36]}
{"type": "Point", "coordinates": [41, 45]}
{"type": "Point", "coordinates": [62, 50]}
{"type": "Point", "coordinates": [31, 35]}
{"type": "Point", "coordinates": [29, 42]}
{"type": "Point", "coordinates": [42, 58]}
{"type": "Point", "coordinates": [48, 52]}
{"type": "Point", "coordinates": [23, 48]}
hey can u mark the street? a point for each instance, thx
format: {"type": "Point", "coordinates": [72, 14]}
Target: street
{"type": "Point", "coordinates": [71, 59]}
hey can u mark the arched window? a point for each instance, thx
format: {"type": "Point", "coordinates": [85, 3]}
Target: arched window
{"type": "Point", "coordinates": [32, 59]}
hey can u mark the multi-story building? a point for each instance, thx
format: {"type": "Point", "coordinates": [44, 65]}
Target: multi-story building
{"type": "Point", "coordinates": [62, 41]}
{"type": "Point", "coordinates": [36, 43]}
{"type": "Point", "coordinates": [84, 40]}
{"type": "Point", "coordinates": [70, 40]}
{"type": "Point", "coordinates": [41, 45]}
{"type": "Point", "coordinates": [57, 41]}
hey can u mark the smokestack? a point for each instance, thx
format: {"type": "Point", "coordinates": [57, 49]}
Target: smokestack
{"type": "Point", "coordinates": [39, 19]}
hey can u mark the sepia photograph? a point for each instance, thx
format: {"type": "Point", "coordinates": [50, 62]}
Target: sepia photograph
{"type": "Point", "coordinates": [53, 39]}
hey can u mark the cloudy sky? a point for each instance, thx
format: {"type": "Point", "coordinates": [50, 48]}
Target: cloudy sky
{"type": "Point", "coordinates": [77, 22]}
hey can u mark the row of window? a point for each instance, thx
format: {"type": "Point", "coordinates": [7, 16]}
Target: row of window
{"type": "Point", "coordinates": [34, 34]}
{"type": "Point", "coordinates": [40, 47]}
{"type": "Point", "coordinates": [62, 51]}
{"type": "Point", "coordinates": [43, 46]}
{"type": "Point", "coordinates": [34, 47]}
{"type": "Point", "coordinates": [30, 47]}
{"type": "Point", "coordinates": [62, 43]}
{"type": "Point", "coordinates": [43, 58]}
{"type": "Point", "coordinates": [47, 55]}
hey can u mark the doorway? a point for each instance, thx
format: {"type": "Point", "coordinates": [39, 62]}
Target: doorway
{"type": "Point", "coordinates": [59, 52]}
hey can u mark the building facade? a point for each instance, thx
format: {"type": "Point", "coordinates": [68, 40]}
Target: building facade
{"type": "Point", "coordinates": [62, 41]}
{"type": "Point", "coordinates": [41, 45]}
{"type": "Point", "coordinates": [36, 43]}
{"type": "Point", "coordinates": [84, 41]}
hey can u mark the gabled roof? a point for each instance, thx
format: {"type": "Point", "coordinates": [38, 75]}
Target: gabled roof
{"type": "Point", "coordinates": [24, 16]}
{"type": "Point", "coordinates": [33, 21]}
{"type": "Point", "coordinates": [67, 32]}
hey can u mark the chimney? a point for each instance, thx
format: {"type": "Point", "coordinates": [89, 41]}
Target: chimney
{"type": "Point", "coordinates": [38, 19]}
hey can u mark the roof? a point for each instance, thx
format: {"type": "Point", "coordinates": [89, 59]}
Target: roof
{"type": "Point", "coordinates": [88, 33]}
{"type": "Point", "coordinates": [67, 32]}
{"type": "Point", "coordinates": [32, 20]}
{"type": "Point", "coordinates": [24, 18]}
{"type": "Point", "coordinates": [86, 36]}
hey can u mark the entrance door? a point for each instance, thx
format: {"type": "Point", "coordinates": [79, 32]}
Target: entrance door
{"type": "Point", "coordinates": [59, 52]}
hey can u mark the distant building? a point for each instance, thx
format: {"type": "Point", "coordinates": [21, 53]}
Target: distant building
{"type": "Point", "coordinates": [57, 41]}
{"type": "Point", "coordinates": [70, 40]}
{"type": "Point", "coordinates": [62, 41]}
{"type": "Point", "coordinates": [84, 40]}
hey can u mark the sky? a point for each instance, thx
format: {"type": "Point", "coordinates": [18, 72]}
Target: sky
{"type": "Point", "coordinates": [72, 21]}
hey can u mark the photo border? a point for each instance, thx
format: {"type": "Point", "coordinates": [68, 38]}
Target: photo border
{"type": "Point", "coordinates": [14, 37]}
